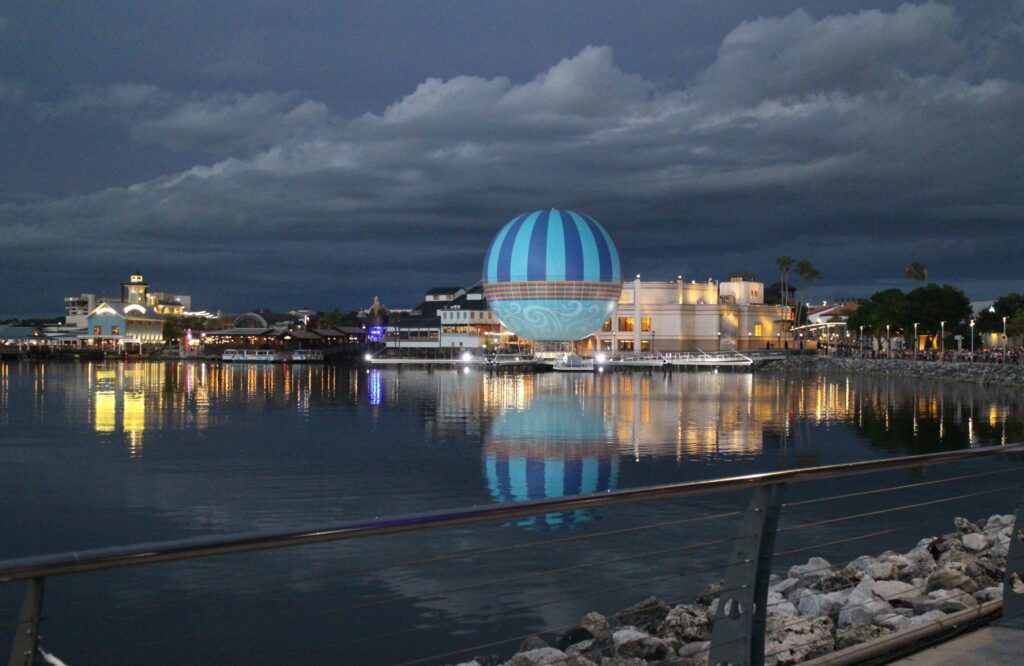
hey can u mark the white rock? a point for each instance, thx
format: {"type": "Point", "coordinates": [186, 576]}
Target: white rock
{"type": "Point", "coordinates": [883, 571]}
{"type": "Point", "coordinates": [999, 521]}
{"type": "Point", "coordinates": [888, 590]}
{"type": "Point", "coordinates": [863, 563]}
{"type": "Point", "coordinates": [692, 649]}
{"type": "Point", "coordinates": [951, 601]}
{"type": "Point", "coordinates": [778, 605]}
{"type": "Point", "coordinates": [975, 542]}
{"type": "Point", "coordinates": [822, 604]}
{"type": "Point", "coordinates": [862, 606]}
{"type": "Point", "coordinates": [784, 586]}
{"type": "Point", "coordinates": [790, 642]}
{"type": "Point", "coordinates": [989, 594]}
{"type": "Point", "coordinates": [894, 621]}
{"type": "Point", "coordinates": [538, 657]}
{"type": "Point", "coordinates": [924, 618]}
{"type": "Point", "coordinates": [815, 569]}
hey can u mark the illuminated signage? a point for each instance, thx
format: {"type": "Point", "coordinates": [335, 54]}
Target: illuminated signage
{"type": "Point", "coordinates": [376, 333]}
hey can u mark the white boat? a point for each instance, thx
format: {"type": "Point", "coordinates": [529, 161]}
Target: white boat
{"type": "Point", "coordinates": [574, 364]}
{"type": "Point", "coordinates": [306, 356]}
{"type": "Point", "coordinates": [251, 356]}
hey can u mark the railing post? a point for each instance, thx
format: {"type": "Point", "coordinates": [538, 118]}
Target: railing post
{"type": "Point", "coordinates": [738, 635]}
{"type": "Point", "coordinates": [26, 637]}
{"type": "Point", "coordinates": [1013, 579]}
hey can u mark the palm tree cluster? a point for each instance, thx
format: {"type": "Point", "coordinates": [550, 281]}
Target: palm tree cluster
{"type": "Point", "coordinates": [807, 273]}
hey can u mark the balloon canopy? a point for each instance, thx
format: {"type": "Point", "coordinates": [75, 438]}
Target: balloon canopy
{"type": "Point", "coordinates": [552, 275]}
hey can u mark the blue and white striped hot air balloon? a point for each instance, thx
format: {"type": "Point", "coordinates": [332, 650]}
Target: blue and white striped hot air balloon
{"type": "Point", "coordinates": [552, 275]}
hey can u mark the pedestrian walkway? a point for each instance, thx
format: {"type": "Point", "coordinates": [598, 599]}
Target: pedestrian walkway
{"type": "Point", "coordinates": [989, 645]}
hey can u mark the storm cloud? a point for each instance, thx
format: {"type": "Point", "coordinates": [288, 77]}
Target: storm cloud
{"type": "Point", "coordinates": [859, 140]}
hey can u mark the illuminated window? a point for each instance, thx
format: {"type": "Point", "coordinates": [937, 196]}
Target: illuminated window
{"type": "Point", "coordinates": [625, 345]}
{"type": "Point", "coordinates": [758, 331]}
{"type": "Point", "coordinates": [645, 324]}
{"type": "Point", "coordinates": [626, 324]}
{"type": "Point", "coordinates": [115, 330]}
{"type": "Point", "coordinates": [96, 330]}
{"type": "Point", "coordinates": [645, 345]}
{"type": "Point", "coordinates": [607, 325]}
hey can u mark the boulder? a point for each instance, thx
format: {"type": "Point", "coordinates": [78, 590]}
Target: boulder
{"type": "Point", "coordinates": [922, 560]}
{"type": "Point", "coordinates": [631, 642]}
{"type": "Point", "coordinates": [859, 633]}
{"type": "Point", "coordinates": [951, 601]}
{"type": "Point", "coordinates": [785, 587]}
{"type": "Point", "coordinates": [975, 542]}
{"type": "Point", "coordinates": [863, 563]}
{"type": "Point", "coordinates": [789, 641]}
{"type": "Point", "coordinates": [925, 618]}
{"type": "Point", "coordinates": [828, 603]}
{"type": "Point", "coordinates": [889, 590]}
{"type": "Point", "coordinates": [884, 571]}
{"type": "Point", "coordinates": [694, 649]}
{"type": "Point", "coordinates": [595, 623]}
{"type": "Point", "coordinates": [862, 606]}
{"type": "Point", "coordinates": [779, 605]}
{"type": "Point", "coordinates": [646, 615]}
{"type": "Point", "coordinates": [573, 636]}
{"type": "Point", "coordinates": [892, 621]}
{"type": "Point", "coordinates": [815, 569]}
{"type": "Point", "coordinates": [999, 521]}
{"type": "Point", "coordinates": [532, 643]}
{"type": "Point", "coordinates": [541, 657]}
{"type": "Point", "coordinates": [947, 579]}
{"type": "Point", "coordinates": [988, 594]}
{"type": "Point", "coordinates": [965, 526]}
{"type": "Point", "coordinates": [686, 623]}
{"type": "Point", "coordinates": [705, 596]}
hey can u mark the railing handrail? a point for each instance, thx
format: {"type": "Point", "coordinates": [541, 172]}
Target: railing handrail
{"type": "Point", "coordinates": [206, 546]}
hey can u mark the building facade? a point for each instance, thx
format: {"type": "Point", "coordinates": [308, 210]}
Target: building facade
{"type": "Point", "coordinates": [690, 316]}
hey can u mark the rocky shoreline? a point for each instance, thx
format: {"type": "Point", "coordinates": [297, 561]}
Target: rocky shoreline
{"type": "Point", "coordinates": [817, 608]}
{"type": "Point", "coordinates": [983, 373]}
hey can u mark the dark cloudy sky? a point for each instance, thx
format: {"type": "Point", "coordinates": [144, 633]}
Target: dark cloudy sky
{"type": "Point", "coordinates": [316, 154]}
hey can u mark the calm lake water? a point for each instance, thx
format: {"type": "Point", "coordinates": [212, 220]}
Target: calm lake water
{"type": "Point", "coordinates": [95, 455]}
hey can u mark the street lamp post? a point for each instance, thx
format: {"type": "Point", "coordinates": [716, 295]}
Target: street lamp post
{"type": "Point", "coordinates": [972, 340]}
{"type": "Point", "coordinates": [860, 339]}
{"type": "Point", "coordinates": [888, 342]}
{"type": "Point", "coordinates": [1005, 339]}
{"type": "Point", "coordinates": [942, 340]}
{"type": "Point", "coordinates": [915, 340]}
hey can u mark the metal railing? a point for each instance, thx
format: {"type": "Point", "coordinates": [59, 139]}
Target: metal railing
{"type": "Point", "coordinates": [739, 623]}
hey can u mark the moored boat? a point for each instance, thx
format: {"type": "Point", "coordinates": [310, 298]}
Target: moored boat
{"type": "Point", "coordinates": [306, 356]}
{"type": "Point", "coordinates": [251, 356]}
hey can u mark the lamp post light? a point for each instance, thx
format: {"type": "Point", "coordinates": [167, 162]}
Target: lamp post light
{"type": "Point", "coordinates": [1005, 339]}
{"type": "Point", "coordinates": [860, 339]}
{"type": "Point", "coordinates": [942, 339]}
{"type": "Point", "coordinates": [915, 340]}
{"type": "Point", "coordinates": [888, 342]}
{"type": "Point", "coordinates": [972, 340]}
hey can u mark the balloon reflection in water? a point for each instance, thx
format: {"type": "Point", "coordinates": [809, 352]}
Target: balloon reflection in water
{"type": "Point", "coordinates": [547, 451]}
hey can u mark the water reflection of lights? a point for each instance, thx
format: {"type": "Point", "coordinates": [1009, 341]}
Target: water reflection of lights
{"type": "Point", "coordinates": [548, 450]}
{"type": "Point", "coordinates": [375, 388]}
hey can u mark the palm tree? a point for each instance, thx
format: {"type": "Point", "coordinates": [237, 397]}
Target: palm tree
{"type": "Point", "coordinates": [808, 274]}
{"type": "Point", "coordinates": [916, 271]}
{"type": "Point", "coordinates": [784, 263]}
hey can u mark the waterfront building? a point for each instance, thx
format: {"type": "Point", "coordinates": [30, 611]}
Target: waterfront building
{"type": "Point", "coordinates": [116, 323]}
{"type": "Point", "coordinates": [449, 317]}
{"type": "Point", "coordinates": [136, 291]}
{"type": "Point", "coordinates": [677, 315]}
